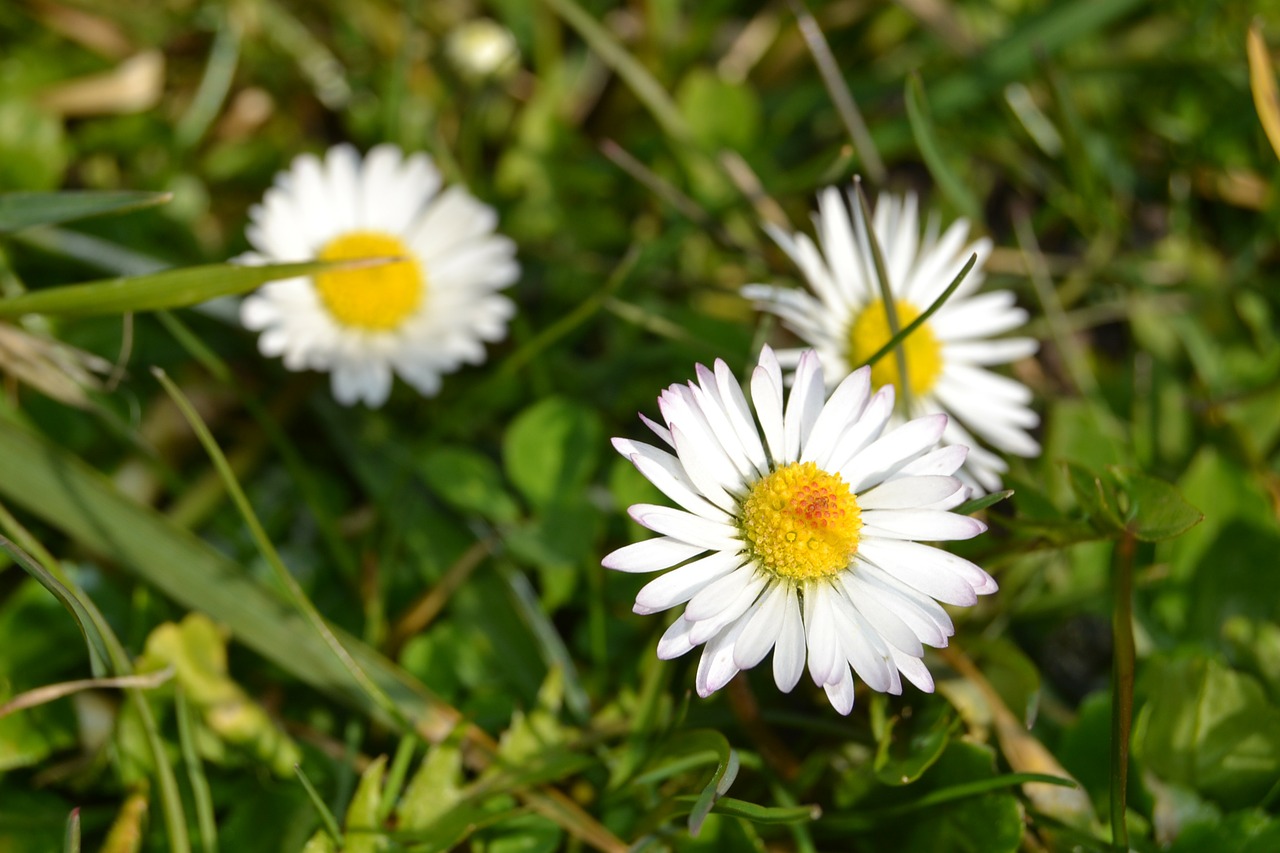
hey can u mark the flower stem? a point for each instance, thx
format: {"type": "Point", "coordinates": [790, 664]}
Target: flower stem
{"type": "Point", "coordinates": [1121, 684]}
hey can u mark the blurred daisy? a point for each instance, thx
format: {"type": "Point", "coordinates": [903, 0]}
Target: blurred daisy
{"type": "Point", "coordinates": [419, 317]}
{"type": "Point", "coordinates": [845, 320]}
{"type": "Point", "coordinates": [800, 542]}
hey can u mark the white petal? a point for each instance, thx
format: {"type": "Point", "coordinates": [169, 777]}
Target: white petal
{"type": "Point", "coordinates": [732, 611]}
{"type": "Point", "coordinates": [822, 635]}
{"type": "Point", "coordinates": [840, 692]}
{"type": "Point", "coordinates": [804, 405]}
{"type": "Point", "coordinates": [669, 476]}
{"type": "Point", "coordinates": [766, 395]}
{"type": "Point", "coordinates": [885, 620]}
{"type": "Point", "coordinates": [936, 573]}
{"type": "Point", "coordinates": [679, 585]}
{"type": "Point", "coordinates": [930, 525]}
{"type": "Point", "coordinates": [651, 555]}
{"type": "Point", "coordinates": [675, 640]}
{"type": "Point", "coordinates": [763, 628]}
{"type": "Point", "coordinates": [845, 407]}
{"type": "Point", "coordinates": [859, 434]}
{"type": "Point", "coordinates": [914, 669]}
{"type": "Point", "coordinates": [716, 667]}
{"type": "Point", "coordinates": [710, 479]}
{"type": "Point", "coordinates": [687, 527]}
{"type": "Point", "coordinates": [735, 404]}
{"type": "Point", "coordinates": [715, 599]}
{"type": "Point", "coordinates": [907, 492]}
{"type": "Point", "coordinates": [789, 651]}
{"type": "Point", "coordinates": [891, 451]}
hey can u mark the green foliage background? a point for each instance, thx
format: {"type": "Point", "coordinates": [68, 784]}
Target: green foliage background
{"type": "Point", "coordinates": [493, 690]}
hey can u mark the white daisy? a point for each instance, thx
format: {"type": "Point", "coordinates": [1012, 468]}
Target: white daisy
{"type": "Point", "coordinates": [844, 319]}
{"type": "Point", "coordinates": [421, 317]}
{"type": "Point", "coordinates": [802, 542]}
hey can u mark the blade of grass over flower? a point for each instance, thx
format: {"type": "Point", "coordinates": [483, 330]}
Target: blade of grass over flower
{"type": "Point", "coordinates": [268, 551]}
{"type": "Point", "coordinates": [50, 692]}
{"type": "Point", "coordinates": [200, 792]}
{"type": "Point", "coordinates": [926, 137]}
{"type": "Point", "coordinates": [19, 210]}
{"type": "Point", "coordinates": [886, 294]}
{"type": "Point", "coordinates": [169, 289]}
{"type": "Point", "coordinates": [111, 656]}
{"type": "Point", "coordinates": [330, 823]}
{"type": "Point", "coordinates": [1262, 81]}
{"type": "Point", "coordinates": [838, 91]}
{"type": "Point", "coordinates": [906, 331]}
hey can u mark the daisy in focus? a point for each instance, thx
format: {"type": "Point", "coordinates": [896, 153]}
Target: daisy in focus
{"type": "Point", "coordinates": [800, 542]}
{"type": "Point", "coordinates": [419, 317]}
{"type": "Point", "coordinates": [844, 319]}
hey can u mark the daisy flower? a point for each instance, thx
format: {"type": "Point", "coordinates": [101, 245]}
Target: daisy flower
{"type": "Point", "coordinates": [800, 542]}
{"type": "Point", "coordinates": [419, 317]}
{"type": "Point", "coordinates": [947, 357]}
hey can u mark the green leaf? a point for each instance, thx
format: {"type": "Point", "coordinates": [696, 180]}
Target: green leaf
{"type": "Point", "coordinates": [25, 210]}
{"type": "Point", "coordinates": [550, 450]}
{"type": "Point", "coordinates": [1256, 645]}
{"type": "Point", "coordinates": [1209, 728]}
{"type": "Point", "coordinates": [979, 504]}
{"type": "Point", "coordinates": [435, 789]}
{"type": "Point", "coordinates": [757, 813]}
{"type": "Point", "coordinates": [1251, 831]}
{"type": "Point", "coordinates": [33, 146]}
{"type": "Point", "coordinates": [364, 833]}
{"type": "Point", "coordinates": [910, 747]}
{"type": "Point", "coordinates": [169, 289]}
{"type": "Point", "coordinates": [469, 481]}
{"type": "Point", "coordinates": [1097, 498]}
{"type": "Point", "coordinates": [720, 114]}
{"type": "Point", "coordinates": [926, 136]}
{"type": "Point", "coordinates": [1155, 509]}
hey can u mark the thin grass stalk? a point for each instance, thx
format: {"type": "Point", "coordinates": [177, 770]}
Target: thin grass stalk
{"type": "Point", "coordinates": [268, 550]}
{"type": "Point", "coordinates": [886, 294]}
{"type": "Point", "coordinates": [863, 145]}
{"type": "Point", "coordinates": [200, 791]}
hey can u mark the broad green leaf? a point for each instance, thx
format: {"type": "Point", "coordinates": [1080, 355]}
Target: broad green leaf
{"type": "Point", "coordinates": [551, 450]}
{"type": "Point", "coordinates": [1209, 728]}
{"type": "Point", "coordinates": [469, 481]}
{"type": "Point", "coordinates": [1154, 510]}
{"type": "Point", "coordinates": [169, 289]}
{"type": "Point", "coordinates": [911, 746]}
{"type": "Point", "coordinates": [720, 114]}
{"type": "Point", "coordinates": [24, 210]}
{"type": "Point", "coordinates": [435, 789]}
{"type": "Point", "coordinates": [1256, 646]}
{"type": "Point", "coordinates": [1252, 831]}
{"type": "Point", "coordinates": [960, 804]}
{"type": "Point", "coordinates": [1227, 579]}
{"type": "Point", "coordinates": [1097, 498]}
{"type": "Point", "coordinates": [33, 147]}
{"type": "Point", "coordinates": [926, 136]}
{"type": "Point", "coordinates": [363, 831]}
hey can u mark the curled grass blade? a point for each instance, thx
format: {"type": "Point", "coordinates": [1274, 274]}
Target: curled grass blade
{"type": "Point", "coordinates": [21, 210]}
{"type": "Point", "coordinates": [102, 641]}
{"type": "Point", "coordinates": [51, 692]}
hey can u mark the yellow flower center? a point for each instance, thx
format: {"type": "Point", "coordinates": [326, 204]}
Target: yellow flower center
{"type": "Point", "coordinates": [375, 298]}
{"type": "Point", "coordinates": [801, 522]}
{"type": "Point", "coordinates": [870, 331]}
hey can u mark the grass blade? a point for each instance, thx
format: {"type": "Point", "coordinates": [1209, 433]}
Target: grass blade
{"type": "Point", "coordinates": [195, 773]}
{"type": "Point", "coordinates": [326, 816]}
{"type": "Point", "coordinates": [169, 289]}
{"type": "Point", "coordinates": [926, 137]}
{"type": "Point", "coordinates": [28, 209]}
